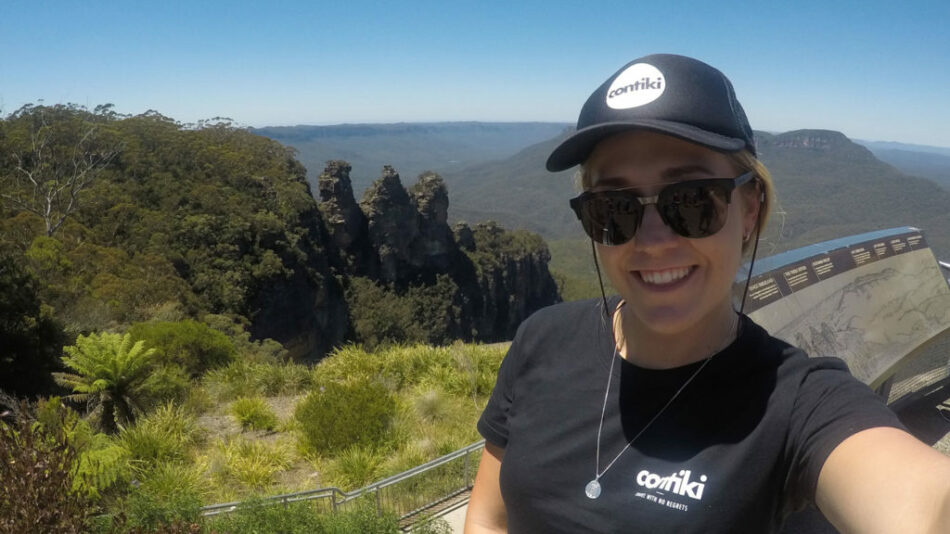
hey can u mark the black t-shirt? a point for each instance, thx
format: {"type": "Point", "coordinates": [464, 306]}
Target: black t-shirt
{"type": "Point", "coordinates": [737, 451]}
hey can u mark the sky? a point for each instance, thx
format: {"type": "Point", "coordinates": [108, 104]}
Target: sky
{"type": "Point", "coordinates": [875, 70]}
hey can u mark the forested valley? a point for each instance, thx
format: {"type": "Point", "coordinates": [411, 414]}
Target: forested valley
{"type": "Point", "coordinates": [190, 316]}
{"type": "Point", "coordinates": [167, 289]}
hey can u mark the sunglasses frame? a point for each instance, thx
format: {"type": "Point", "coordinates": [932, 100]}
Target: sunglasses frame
{"type": "Point", "coordinates": [728, 184]}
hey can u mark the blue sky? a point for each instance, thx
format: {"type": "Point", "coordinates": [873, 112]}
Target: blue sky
{"type": "Point", "coordinates": [874, 70]}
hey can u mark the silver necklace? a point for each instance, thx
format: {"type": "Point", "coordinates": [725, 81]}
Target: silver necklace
{"type": "Point", "coordinates": [592, 490]}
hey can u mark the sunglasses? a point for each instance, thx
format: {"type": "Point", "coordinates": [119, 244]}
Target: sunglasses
{"type": "Point", "coordinates": [694, 209]}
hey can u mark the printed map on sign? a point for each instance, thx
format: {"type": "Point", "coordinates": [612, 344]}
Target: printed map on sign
{"type": "Point", "coordinates": [872, 299]}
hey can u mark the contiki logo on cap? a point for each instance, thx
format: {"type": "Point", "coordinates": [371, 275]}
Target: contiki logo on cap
{"type": "Point", "coordinates": [675, 95]}
{"type": "Point", "coordinates": [637, 85]}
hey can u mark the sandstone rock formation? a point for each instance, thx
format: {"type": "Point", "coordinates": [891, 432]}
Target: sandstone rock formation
{"type": "Point", "coordinates": [500, 277]}
{"type": "Point", "coordinates": [344, 220]}
{"type": "Point", "coordinates": [434, 243]}
{"type": "Point", "coordinates": [391, 220]}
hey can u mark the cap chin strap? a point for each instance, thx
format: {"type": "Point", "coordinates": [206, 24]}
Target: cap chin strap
{"type": "Point", "coordinates": [600, 279]}
{"type": "Point", "coordinates": [755, 247]}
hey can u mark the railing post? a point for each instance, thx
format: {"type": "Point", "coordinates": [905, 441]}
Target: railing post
{"type": "Point", "coordinates": [379, 506]}
{"type": "Point", "coordinates": [467, 462]}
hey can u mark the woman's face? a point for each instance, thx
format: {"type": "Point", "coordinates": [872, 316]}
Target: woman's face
{"type": "Point", "coordinates": [671, 284]}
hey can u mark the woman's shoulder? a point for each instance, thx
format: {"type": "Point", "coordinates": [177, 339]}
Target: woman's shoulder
{"type": "Point", "coordinates": [793, 363]}
{"type": "Point", "coordinates": [563, 326]}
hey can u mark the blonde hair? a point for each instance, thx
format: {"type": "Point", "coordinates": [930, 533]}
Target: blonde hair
{"type": "Point", "coordinates": [743, 161]}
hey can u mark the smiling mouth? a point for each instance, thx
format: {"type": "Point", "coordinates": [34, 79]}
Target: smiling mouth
{"type": "Point", "coordinates": [665, 277]}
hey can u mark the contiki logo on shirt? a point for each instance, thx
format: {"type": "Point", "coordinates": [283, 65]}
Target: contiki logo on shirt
{"type": "Point", "coordinates": [678, 483]}
{"type": "Point", "coordinates": [638, 84]}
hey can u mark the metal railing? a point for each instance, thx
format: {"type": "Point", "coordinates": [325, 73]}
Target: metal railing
{"type": "Point", "coordinates": [404, 494]}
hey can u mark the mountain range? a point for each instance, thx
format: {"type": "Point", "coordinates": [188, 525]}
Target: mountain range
{"type": "Point", "coordinates": [410, 148]}
{"type": "Point", "coordinates": [926, 164]}
{"type": "Point", "coordinates": [828, 185]}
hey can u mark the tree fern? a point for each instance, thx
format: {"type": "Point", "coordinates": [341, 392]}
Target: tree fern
{"type": "Point", "coordinates": [109, 370]}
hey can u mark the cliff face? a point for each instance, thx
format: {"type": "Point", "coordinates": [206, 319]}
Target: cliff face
{"type": "Point", "coordinates": [512, 277]}
{"type": "Point", "coordinates": [401, 239]}
{"type": "Point", "coordinates": [817, 143]}
{"type": "Point", "coordinates": [345, 223]}
{"type": "Point", "coordinates": [303, 309]}
{"type": "Point", "coordinates": [435, 246]}
{"type": "Point", "coordinates": [393, 227]}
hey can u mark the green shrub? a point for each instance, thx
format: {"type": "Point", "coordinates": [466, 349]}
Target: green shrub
{"type": "Point", "coordinates": [253, 413]}
{"type": "Point", "coordinates": [305, 517]}
{"type": "Point", "coordinates": [237, 379]}
{"type": "Point", "coordinates": [430, 405]}
{"type": "Point", "coordinates": [197, 401]}
{"type": "Point", "coordinates": [254, 517]}
{"type": "Point", "coordinates": [235, 327]}
{"type": "Point", "coordinates": [167, 499]}
{"type": "Point", "coordinates": [412, 454]}
{"type": "Point", "coordinates": [251, 464]}
{"type": "Point", "coordinates": [244, 378]}
{"type": "Point", "coordinates": [166, 383]}
{"type": "Point", "coordinates": [354, 468]}
{"type": "Point", "coordinates": [100, 463]}
{"type": "Point", "coordinates": [177, 526]}
{"type": "Point", "coordinates": [435, 525]}
{"type": "Point", "coordinates": [339, 415]}
{"type": "Point", "coordinates": [194, 346]}
{"type": "Point", "coordinates": [285, 378]}
{"type": "Point", "coordinates": [163, 436]}
{"type": "Point", "coordinates": [396, 366]}
{"type": "Point", "coordinates": [469, 370]}
{"type": "Point", "coordinates": [460, 369]}
{"type": "Point", "coordinates": [37, 492]}
{"type": "Point", "coordinates": [362, 518]}
{"type": "Point", "coordinates": [351, 363]}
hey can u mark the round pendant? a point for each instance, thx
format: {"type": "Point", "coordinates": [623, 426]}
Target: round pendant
{"type": "Point", "coordinates": [593, 489]}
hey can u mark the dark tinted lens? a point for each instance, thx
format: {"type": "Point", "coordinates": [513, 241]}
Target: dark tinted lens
{"type": "Point", "coordinates": [694, 209]}
{"type": "Point", "coordinates": [609, 217]}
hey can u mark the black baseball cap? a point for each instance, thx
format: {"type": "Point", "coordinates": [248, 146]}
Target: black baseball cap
{"type": "Point", "coordinates": [675, 95]}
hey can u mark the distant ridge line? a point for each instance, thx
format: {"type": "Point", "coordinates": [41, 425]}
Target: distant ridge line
{"type": "Point", "coordinates": [304, 131]}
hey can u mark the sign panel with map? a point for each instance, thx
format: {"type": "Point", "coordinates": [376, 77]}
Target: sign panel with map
{"type": "Point", "coordinates": [871, 299]}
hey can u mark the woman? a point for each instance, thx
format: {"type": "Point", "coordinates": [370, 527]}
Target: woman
{"type": "Point", "coordinates": [663, 409]}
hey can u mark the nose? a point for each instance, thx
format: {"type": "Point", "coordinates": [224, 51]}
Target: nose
{"type": "Point", "coordinates": [654, 233]}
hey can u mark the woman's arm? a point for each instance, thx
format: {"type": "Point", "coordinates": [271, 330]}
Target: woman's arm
{"type": "Point", "coordinates": [486, 509]}
{"type": "Point", "coordinates": [885, 480]}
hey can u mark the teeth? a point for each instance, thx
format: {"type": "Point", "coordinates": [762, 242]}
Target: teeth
{"type": "Point", "coordinates": [664, 277]}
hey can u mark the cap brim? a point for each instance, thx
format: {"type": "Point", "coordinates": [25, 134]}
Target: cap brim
{"type": "Point", "coordinates": [575, 149]}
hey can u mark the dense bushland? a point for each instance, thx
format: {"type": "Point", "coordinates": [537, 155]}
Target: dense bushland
{"type": "Point", "coordinates": [260, 426]}
{"type": "Point", "coordinates": [162, 222]}
{"type": "Point", "coordinates": [186, 235]}
{"type": "Point", "coordinates": [160, 285]}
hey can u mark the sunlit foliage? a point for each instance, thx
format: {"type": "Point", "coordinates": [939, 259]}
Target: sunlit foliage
{"type": "Point", "coordinates": [108, 373]}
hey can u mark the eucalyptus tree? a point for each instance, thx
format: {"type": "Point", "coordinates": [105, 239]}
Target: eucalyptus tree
{"type": "Point", "coordinates": [53, 154]}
